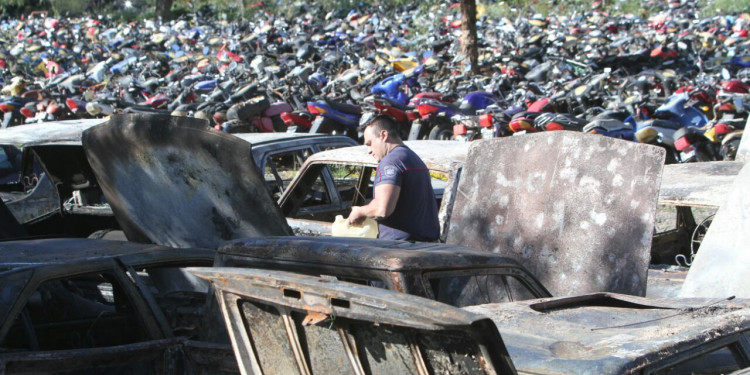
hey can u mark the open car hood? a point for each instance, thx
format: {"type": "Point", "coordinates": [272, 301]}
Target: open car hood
{"type": "Point", "coordinates": [175, 182]}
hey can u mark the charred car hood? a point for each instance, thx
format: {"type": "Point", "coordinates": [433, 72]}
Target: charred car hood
{"type": "Point", "coordinates": [175, 182]}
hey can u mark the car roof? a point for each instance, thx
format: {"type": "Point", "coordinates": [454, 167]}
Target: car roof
{"type": "Point", "coordinates": [437, 155]}
{"type": "Point", "coordinates": [55, 132]}
{"type": "Point", "coordinates": [257, 139]}
{"type": "Point", "coordinates": [607, 332]}
{"type": "Point", "coordinates": [26, 253]}
{"type": "Point", "coordinates": [705, 184]}
{"type": "Point", "coordinates": [364, 253]}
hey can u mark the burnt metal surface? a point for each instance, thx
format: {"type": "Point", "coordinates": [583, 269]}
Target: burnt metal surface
{"type": "Point", "coordinates": [364, 253]}
{"type": "Point", "coordinates": [151, 357]}
{"type": "Point", "coordinates": [584, 334]}
{"type": "Point", "coordinates": [303, 227]}
{"type": "Point", "coordinates": [357, 329]}
{"type": "Point", "coordinates": [53, 132]}
{"type": "Point", "coordinates": [174, 182]}
{"type": "Point", "coordinates": [575, 209]}
{"type": "Point", "coordinates": [722, 265]}
{"type": "Point", "coordinates": [29, 206]}
{"type": "Point", "coordinates": [69, 250]}
{"type": "Point", "coordinates": [705, 184]}
{"type": "Point", "coordinates": [9, 226]}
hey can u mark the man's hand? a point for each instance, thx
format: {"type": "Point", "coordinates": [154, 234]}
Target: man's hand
{"type": "Point", "coordinates": [357, 216]}
{"type": "Point", "coordinates": [380, 207]}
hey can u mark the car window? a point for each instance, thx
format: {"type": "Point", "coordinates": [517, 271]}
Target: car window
{"type": "Point", "coordinates": [281, 168]}
{"type": "Point", "coordinates": [474, 287]}
{"type": "Point", "coordinates": [353, 185]}
{"type": "Point", "coordinates": [719, 361]}
{"type": "Point", "coordinates": [86, 311]}
{"type": "Point", "coordinates": [180, 295]}
{"type": "Point", "coordinates": [10, 164]}
{"type": "Point", "coordinates": [347, 179]}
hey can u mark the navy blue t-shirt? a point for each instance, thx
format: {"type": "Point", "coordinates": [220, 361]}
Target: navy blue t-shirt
{"type": "Point", "coordinates": [415, 217]}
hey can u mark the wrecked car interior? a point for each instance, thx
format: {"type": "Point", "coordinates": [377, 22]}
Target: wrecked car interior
{"type": "Point", "coordinates": [540, 270]}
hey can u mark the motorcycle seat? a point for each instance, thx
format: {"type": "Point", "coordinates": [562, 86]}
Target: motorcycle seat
{"type": "Point", "coordinates": [396, 104]}
{"type": "Point", "coordinates": [667, 124]}
{"type": "Point", "coordinates": [343, 107]}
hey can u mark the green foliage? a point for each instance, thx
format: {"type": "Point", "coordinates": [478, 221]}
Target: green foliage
{"type": "Point", "coordinates": [68, 7]}
{"type": "Point", "coordinates": [722, 7]}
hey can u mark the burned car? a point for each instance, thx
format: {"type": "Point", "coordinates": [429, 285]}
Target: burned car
{"type": "Point", "coordinates": [51, 189]}
{"type": "Point", "coordinates": [455, 275]}
{"type": "Point", "coordinates": [336, 326]}
{"type": "Point", "coordinates": [48, 184]}
{"type": "Point", "coordinates": [331, 182]}
{"type": "Point", "coordinates": [210, 178]}
{"type": "Point", "coordinates": [84, 305]}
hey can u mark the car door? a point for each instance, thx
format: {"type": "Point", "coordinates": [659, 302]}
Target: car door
{"type": "Point", "coordinates": [329, 189]}
{"type": "Point", "coordinates": [81, 320]}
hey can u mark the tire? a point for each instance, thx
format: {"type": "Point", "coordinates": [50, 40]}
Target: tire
{"type": "Point", "coordinates": [443, 131]}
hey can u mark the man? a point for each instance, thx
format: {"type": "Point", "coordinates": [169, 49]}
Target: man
{"type": "Point", "coordinates": [403, 203]}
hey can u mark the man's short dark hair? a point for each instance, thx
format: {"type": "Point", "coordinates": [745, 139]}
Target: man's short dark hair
{"type": "Point", "coordinates": [382, 122]}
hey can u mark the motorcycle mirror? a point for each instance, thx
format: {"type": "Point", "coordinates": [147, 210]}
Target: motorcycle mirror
{"type": "Point", "coordinates": [725, 74]}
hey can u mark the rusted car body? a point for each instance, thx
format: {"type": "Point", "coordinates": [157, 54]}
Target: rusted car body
{"type": "Point", "coordinates": [94, 306]}
{"type": "Point", "coordinates": [48, 185]}
{"type": "Point", "coordinates": [615, 334]}
{"type": "Point", "coordinates": [307, 325]}
{"type": "Point", "coordinates": [451, 274]}
{"type": "Point", "coordinates": [289, 323]}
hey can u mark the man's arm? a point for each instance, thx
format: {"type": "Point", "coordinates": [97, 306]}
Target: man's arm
{"type": "Point", "coordinates": [382, 206]}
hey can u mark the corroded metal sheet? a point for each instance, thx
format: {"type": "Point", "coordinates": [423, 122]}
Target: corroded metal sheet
{"type": "Point", "coordinates": [615, 334]}
{"type": "Point", "coordinates": [576, 209]}
{"type": "Point", "coordinates": [369, 330]}
{"type": "Point", "coordinates": [721, 267]}
{"type": "Point", "coordinates": [54, 132]}
{"type": "Point", "coordinates": [704, 184]}
{"type": "Point", "coordinates": [175, 182]}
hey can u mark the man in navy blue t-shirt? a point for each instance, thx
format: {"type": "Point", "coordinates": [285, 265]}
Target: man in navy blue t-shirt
{"type": "Point", "coordinates": [403, 200]}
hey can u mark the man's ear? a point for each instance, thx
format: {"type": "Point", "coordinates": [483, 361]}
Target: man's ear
{"type": "Point", "coordinates": [384, 135]}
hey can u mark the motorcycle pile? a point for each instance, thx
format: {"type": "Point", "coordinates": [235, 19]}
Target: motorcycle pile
{"type": "Point", "coordinates": [675, 80]}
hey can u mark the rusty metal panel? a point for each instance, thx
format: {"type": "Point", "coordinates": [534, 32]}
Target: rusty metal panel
{"type": "Point", "coordinates": [721, 267]}
{"type": "Point", "coordinates": [704, 184]}
{"type": "Point", "coordinates": [175, 182]}
{"type": "Point", "coordinates": [576, 209]}
{"type": "Point", "coordinates": [381, 331]}
{"type": "Point", "coordinates": [606, 333]}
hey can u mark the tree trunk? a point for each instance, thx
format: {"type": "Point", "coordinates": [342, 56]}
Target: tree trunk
{"type": "Point", "coordinates": [469, 33]}
{"type": "Point", "coordinates": [163, 9]}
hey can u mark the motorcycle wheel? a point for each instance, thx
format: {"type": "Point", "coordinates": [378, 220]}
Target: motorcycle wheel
{"type": "Point", "coordinates": [442, 131]}
{"type": "Point", "coordinates": [729, 150]}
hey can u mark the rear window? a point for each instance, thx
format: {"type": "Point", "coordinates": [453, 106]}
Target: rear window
{"type": "Point", "coordinates": [467, 288]}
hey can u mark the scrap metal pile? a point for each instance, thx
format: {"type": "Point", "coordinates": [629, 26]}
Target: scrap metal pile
{"type": "Point", "coordinates": [543, 269]}
{"type": "Point", "coordinates": [675, 79]}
